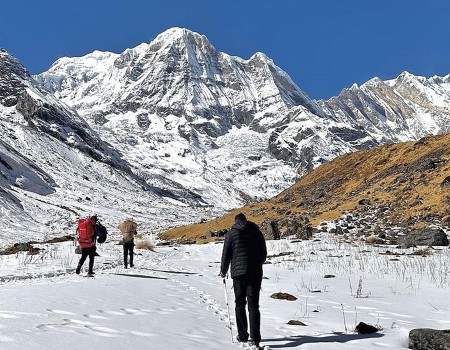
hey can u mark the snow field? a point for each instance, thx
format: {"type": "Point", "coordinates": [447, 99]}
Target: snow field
{"type": "Point", "coordinates": [175, 299]}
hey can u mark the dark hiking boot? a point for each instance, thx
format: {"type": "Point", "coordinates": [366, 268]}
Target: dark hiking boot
{"type": "Point", "coordinates": [78, 270]}
{"type": "Point", "coordinates": [242, 339]}
{"type": "Point", "coordinates": [254, 344]}
{"type": "Point", "coordinates": [91, 273]}
{"type": "Point", "coordinates": [131, 265]}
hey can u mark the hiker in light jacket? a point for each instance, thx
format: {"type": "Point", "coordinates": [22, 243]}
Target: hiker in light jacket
{"type": "Point", "coordinates": [128, 230]}
{"type": "Point", "coordinates": [245, 249]}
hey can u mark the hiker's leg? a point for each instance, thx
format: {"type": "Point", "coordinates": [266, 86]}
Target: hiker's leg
{"type": "Point", "coordinates": [131, 254]}
{"type": "Point", "coordinates": [125, 255]}
{"type": "Point", "coordinates": [91, 259]}
{"type": "Point", "coordinates": [240, 292]}
{"type": "Point", "coordinates": [84, 255]}
{"type": "Point", "coordinates": [253, 290]}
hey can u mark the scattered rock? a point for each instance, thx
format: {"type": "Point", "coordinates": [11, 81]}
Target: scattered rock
{"type": "Point", "coordinates": [298, 226]}
{"type": "Point", "coordinates": [374, 240]}
{"type": "Point", "coordinates": [283, 296]}
{"type": "Point", "coordinates": [429, 339]}
{"type": "Point", "coordinates": [65, 238]}
{"type": "Point", "coordinates": [446, 182]}
{"type": "Point", "coordinates": [329, 276]}
{"type": "Point", "coordinates": [20, 247]}
{"type": "Point", "coordinates": [279, 254]}
{"type": "Point", "coordinates": [270, 229]}
{"type": "Point", "coordinates": [364, 202]}
{"type": "Point", "coordinates": [296, 323]}
{"type": "Point", "coordinates": [364, 328]}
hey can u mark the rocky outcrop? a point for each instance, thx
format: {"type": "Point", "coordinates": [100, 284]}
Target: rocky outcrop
{"type": "Point", "coordinates": [429, 339]}
{"type": "Point", "coordinates": [424, 237]}
{"type": "Point", "coordinates": [298, 227]}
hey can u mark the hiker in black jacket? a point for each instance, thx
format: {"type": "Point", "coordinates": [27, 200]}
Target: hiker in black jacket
{"type": "Point", "coordinates": [245, 249]}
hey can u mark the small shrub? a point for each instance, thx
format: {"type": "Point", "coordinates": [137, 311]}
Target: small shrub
{"type": "Point", "coordinates": [423, 252]}
{"type": "Point", "coordinates": [145, 245]}
{"type": "Point", "coordinates": [374, 240]}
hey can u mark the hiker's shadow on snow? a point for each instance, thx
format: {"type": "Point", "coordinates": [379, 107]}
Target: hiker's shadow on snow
{"type": "Point", "coordinates": [292, 342]}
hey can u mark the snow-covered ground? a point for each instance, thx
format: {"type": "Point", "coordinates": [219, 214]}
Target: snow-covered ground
{"type": "Point", "coordinates": [174, 299]}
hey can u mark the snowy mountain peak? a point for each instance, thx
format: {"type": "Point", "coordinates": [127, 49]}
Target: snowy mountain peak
{"type": "Point", "coordinates": [259, 56]}
{"type": "Point", "coordinates": [10, 66]}
{"type": "Point", "coordinates": [180, 37]}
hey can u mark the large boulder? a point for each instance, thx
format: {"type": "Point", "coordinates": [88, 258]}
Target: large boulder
{"type": "Point", "coordinates": [296, 226]}
{"type": "Point", "coordinates": [424, 237]}
{"type": "Point", "coordinates": [270, 229]}
{"type": "Point", "coordinates": [429, 339]}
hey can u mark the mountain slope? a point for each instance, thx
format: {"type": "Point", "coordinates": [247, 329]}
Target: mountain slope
{"type": "Point", "coordinates": [405, 184]}
{"type": "Point", "coordinates": [406, 108]}
{"type": "Point", "coordinates": [54, 168]}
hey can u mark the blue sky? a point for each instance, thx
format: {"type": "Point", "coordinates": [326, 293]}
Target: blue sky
{"type": "Point", "coordinates": [324, 45]}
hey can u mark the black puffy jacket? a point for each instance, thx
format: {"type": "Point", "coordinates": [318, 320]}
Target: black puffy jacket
{"type": "Point", "coordinates": [245, 248]}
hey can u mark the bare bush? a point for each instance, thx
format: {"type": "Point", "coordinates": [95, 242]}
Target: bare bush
{"type": "Point", "coordinates": [145, 244]}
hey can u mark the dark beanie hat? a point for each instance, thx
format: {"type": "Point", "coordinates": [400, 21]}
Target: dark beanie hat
{"type": "Point", "coordinates": [240, 217]}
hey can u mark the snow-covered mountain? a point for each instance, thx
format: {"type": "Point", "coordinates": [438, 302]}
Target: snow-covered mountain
{"type": "Point", "coordinates": [181, 111]}
{"type": "Point", "coordinates": [183, 124]}
{"type": "Point", "coordinates": [55, 168]}
{"type": "Point", "coordinates": [179, 93]}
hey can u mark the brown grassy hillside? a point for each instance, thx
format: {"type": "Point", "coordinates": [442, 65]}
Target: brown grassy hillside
{"type": "Point", "coordinates": [406, 184]}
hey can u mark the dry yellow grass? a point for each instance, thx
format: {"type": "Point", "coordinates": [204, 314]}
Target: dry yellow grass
{"type": "Point", "coordinates": [144, 244]}
{"type": "Point", "coordinates": [407, 177]}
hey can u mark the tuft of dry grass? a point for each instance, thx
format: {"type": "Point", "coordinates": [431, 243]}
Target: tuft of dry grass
{"type": "Point", "coordinates": [145, 244]}
{"type": "Point", "coordinates": [423, 252]}
{"type": "Point", "coordinates": [374, 240]}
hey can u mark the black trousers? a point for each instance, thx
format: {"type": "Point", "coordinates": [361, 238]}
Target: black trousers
{"type": "Point", "coordinates": [128, 248]}
{"type": "Point", "coordinates": [87, 252]}
{"type": "Point", "coordinates": [246, 289]}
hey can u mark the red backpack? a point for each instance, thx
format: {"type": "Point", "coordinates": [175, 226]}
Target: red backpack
{"type": "Point", "coordinates": [86, 233]}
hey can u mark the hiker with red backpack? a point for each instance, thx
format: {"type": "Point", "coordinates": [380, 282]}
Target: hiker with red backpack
{"type": "Point", "coordinates": [86, 231]}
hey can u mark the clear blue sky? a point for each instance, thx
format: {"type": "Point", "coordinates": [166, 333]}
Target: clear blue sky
{"type": "Point", "coordinates": [324, 45]}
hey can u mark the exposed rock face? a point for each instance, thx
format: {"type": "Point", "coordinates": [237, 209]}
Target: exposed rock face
{"type": "Point", "coordinates": [424, 237]}
{"type": "Point", "coordinates": [42, 111]}
{"type": "Point", "coordinates": [429, 339]}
